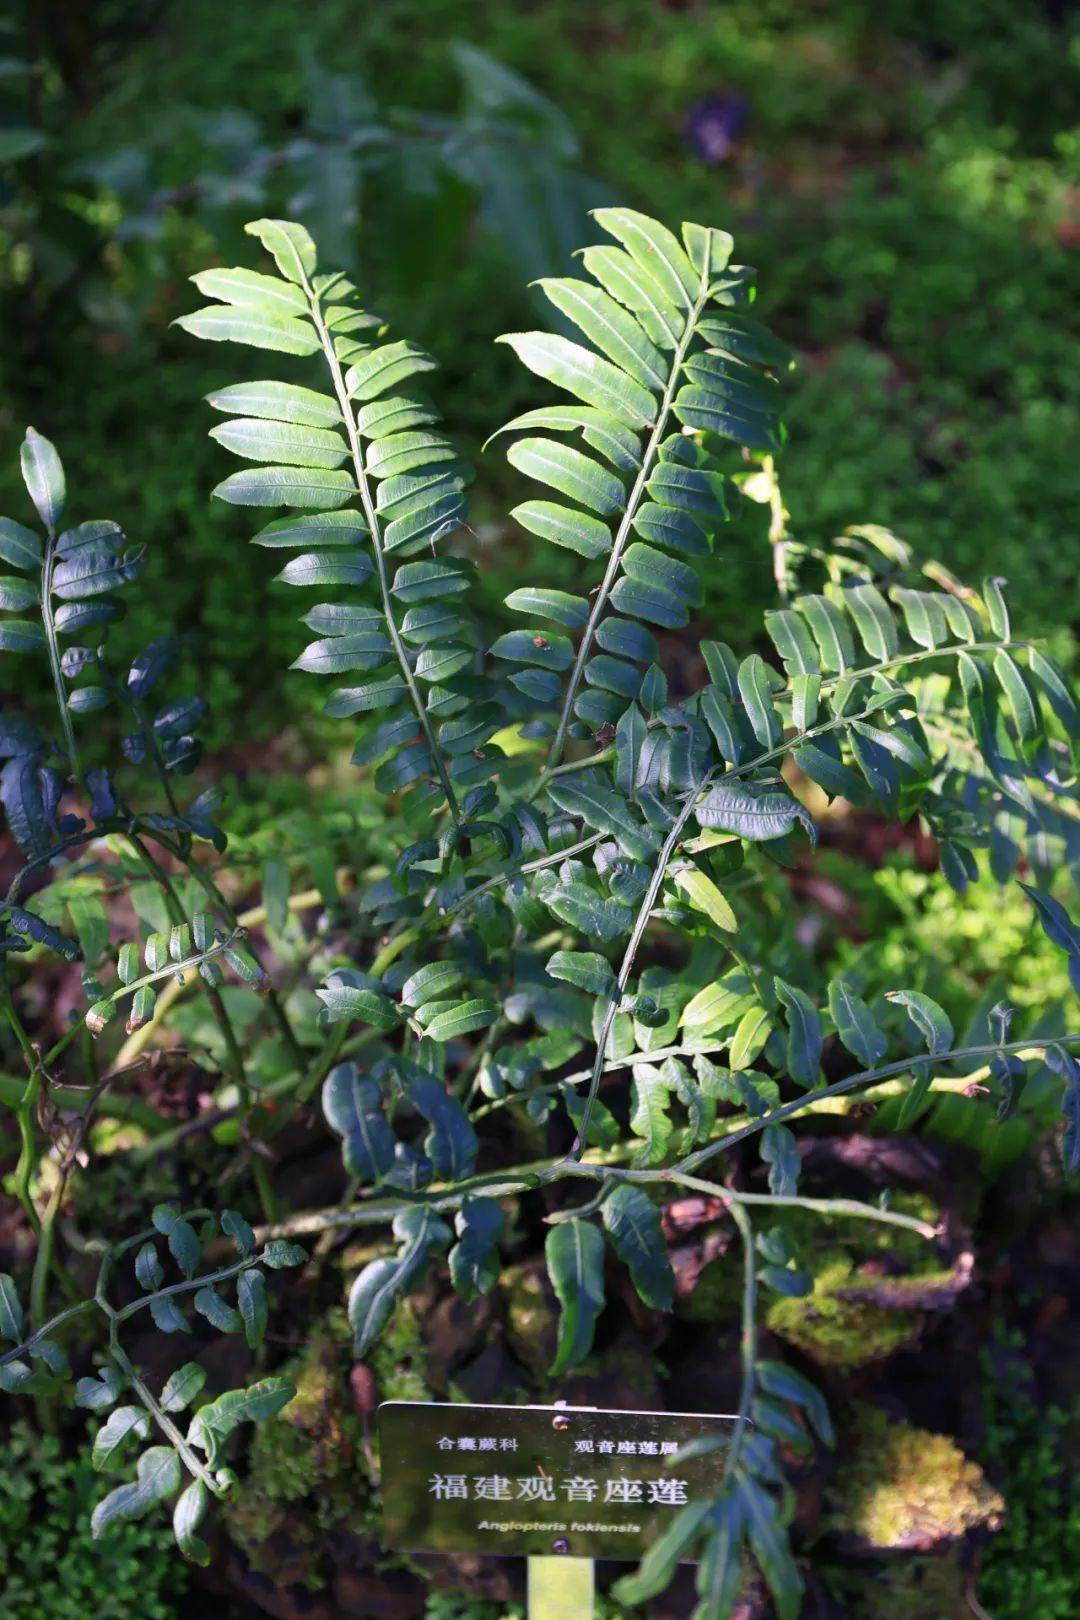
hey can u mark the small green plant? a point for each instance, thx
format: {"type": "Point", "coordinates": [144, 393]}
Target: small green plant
{"type": "Point", "coordinates": [558, 906]}
{"type": "Point", "coordinates": [1029, 1568]}
{"type": "Point", "coordinates": [50, 1564]}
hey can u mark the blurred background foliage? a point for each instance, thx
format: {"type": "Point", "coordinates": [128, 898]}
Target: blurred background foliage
{"type": "Point", "coordinates": [904, 173]}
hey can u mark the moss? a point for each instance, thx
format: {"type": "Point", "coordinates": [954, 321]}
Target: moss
{"type": "Point", "coordinates": [1030, 1569]}
{"type": "Point", "coordinates": [398, 1358]}
{"type": "Point", "coordinates": [911, 1589]}
{"type": "Point", "coordinates": [306, 1466]}
{"type": "Point", "coordinates": [839, 1332]}
{"type": "Point", "coordinates": [903, 1487]}
{"type": "Point", "coordinates": [50, 1564]}
{"type": "Point", "coordinates": [846, 1333]}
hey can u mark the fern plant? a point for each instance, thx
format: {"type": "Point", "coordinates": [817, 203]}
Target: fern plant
{"type": "Point", "coordinates": [566, 911]}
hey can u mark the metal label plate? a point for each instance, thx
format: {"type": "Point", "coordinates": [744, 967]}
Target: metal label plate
{"type": "Point", "coordinates": [523, 1481]}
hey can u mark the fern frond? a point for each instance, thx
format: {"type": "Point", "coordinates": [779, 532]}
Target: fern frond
{"type": "Point", "coordinates": [70, 578]}
{"type": "Point", "coordinates": [670, 367]}
{"type": "Point", "coordinates": [373, 484]}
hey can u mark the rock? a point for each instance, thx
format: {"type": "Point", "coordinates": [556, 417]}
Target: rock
{"type": "Point", "coordinates": [452, 1330]}
{"type": "Point", "coordinates": [531, 1315]}
{"type": "Point", "coordinates": [707, 1375]}
{"type": "Point", "coordinates": [622, 1377]}
{"type": "Point", "coordinates": [491, 1580]}
{"type": "Point", "coordinates": [493, 1376]}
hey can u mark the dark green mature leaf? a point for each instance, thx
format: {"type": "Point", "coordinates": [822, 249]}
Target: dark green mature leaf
{"type": "Point", "coordinates": [770, 1544]}
{"type": "Point", "coordinates": [576, 903]}
{"type": "Point", "coordinates": [632, 1222]}
{"type": "Point", "coordinates": [180, 1235]}
{"type": "Point", "coordinates": [610, 327]}
{"type": "Point", "coordinates": [589, 796]}
{"type": "Point", "coordinates": [278, 1254]}
{"type": "Point", "coordinates": [461, 1018]}
{"type": "Point", "coordinates": [182, 1387]}
{"type": "Point", "coordinates": [31, 926]}
{"type": "Point", "coordinates": [18, 1378]}
{"type": "Point", "coordinates": [167, 1315]}
{"type": "Point", "coordinates": [364, 1001]}
{"type": "Point", "coordinates": [777, 1378]}
{"type": "Point", "coordinates": [780, 1152]}
{"type": "Point", "coordinates": [571, 473]}
{"type": "Point", "coordinates": [1058, 927]}
{"type": "Point", "coordinates": [575, 1260]}
{"type": "Point", "coordinates": [855, 1024]}
{"type": "Point", "coordinates": [996, 608]}
{"type": "Point", "coordinates": [17, 594]}
{"type": "Point", "coordinates": [11, 1311]}
{"type": "Point", "coordinates": [98, 1394]}
{"type": "Point", "coordinates": [188, 1514]}
{"type": "Point", "coordinates": [932, 1022]}
{"type": "Point", "coordinates": [576, 531]}
{"type": "Point", "coordinates": [720, 1570]}
{"type": "Point", "coordinates": [586, 970]}
{"type": "Point", "coordinates": [382, 1283]}
{"type": "Point", "coordinates": [804, 1035]}
{"type": "Point", "coordinates": [352, 1104]}
{"type": "Point", "coordinates": [19, 546]}
{"type": "Point", "coordinates": [649, 1119]}
{"type": "Point", "coordinates": [213, 1423]}
{"type": "Point", "coordinates": [21, 635]}
{"type": "Point", "coordinates": [1054, 686]}
{"type": "Point", "coordinates": [209, 1303]}
{"type": "Point", "coordinates": [148, 1268]}
{"type": "Point", "coordinates": [122, 1423]}
{"type": "Point", "coordinates": [451, 1143]}
{"type": "Point", "coordinates": [158, 1476]}
{"type": "Point", "coordinates": [660, 1561]}
{"type": "Point", "coordinates": [474, 1259]}
{"type": "Point", "coordinates": [253, 1305]}
{"type": "Point", "coordinates": [754, 811]}
{"type": "Point", "coordinates": [653, 246]}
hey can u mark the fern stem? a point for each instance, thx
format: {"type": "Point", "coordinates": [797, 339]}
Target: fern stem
{"type": "Point", "coordinates": [748, 1339]}
{"type": "Point", "coordinates": [820, 1206]}
{"type": "Point", "coordinates": [364, 490]}
{"type": "Point", "coordinates": [641, 922]}
{"type": "Point", "coordinates": [1029, 1048]}
{"type": "Point", "coordinates": [217, 1007]}
{"type": "Point", "coordinates": [623, 532]}
{"type": "Point", "coordinates": [273, 1000]}
{"type": "Point", "coordinates": [671, 843]}
{"type": "Point", "coordinates": [193, 1464]}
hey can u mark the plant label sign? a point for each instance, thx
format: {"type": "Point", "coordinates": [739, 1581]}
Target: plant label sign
{"type": "Point", "coordinates": [530, 1481]}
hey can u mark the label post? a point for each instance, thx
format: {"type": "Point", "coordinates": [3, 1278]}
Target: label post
{"type": "Point", "coordinates": [561, 1588]}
